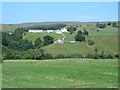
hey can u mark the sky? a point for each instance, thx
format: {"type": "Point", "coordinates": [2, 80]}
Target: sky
{"type": "Point", "coordinates": [22, 12]}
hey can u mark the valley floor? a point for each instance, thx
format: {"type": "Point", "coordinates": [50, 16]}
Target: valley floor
{"type": "Point", "coordinates": [60, 73]}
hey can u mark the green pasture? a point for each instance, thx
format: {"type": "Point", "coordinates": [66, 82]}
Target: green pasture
{"type": "Point", "coordinates": [34, 36]}
{"type": "Point", "coordinates": [60, 73]}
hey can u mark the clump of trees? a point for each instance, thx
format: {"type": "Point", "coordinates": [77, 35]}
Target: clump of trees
{"type": "Point", "coordinates": [101, 25]}
{"type": "Point", "coordinates": [85, 32]}
{"type": "Point", "coordinates": [38, 43]}
{"type": "Point", "coordinates": [90, 42]}
{"type": "Point", "coordinates": [48, 40]}
{"type": "Point", "coordinates": [114, 25]}
{"type": "Point", "coordinates": [71, 29]}
{"type": "Point", "coordinates": [109, 24]}
{"type": "Point", "coordinates": [15, 47]}
{"type": "Point", "coordinates": [48, 27]}
{"type": "Point", "coordinates": [81, 36]}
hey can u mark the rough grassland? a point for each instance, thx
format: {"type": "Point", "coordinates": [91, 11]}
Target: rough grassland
{"type": "Point", "coordinates": [60, 73]}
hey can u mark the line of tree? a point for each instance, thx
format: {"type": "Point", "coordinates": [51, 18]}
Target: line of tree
{"type": "Point", "coordinates": [101, 25]}
{"type": "Point", "coordinates": [114, 24]}
{"type": "Point", "coordinates": [48, 27]}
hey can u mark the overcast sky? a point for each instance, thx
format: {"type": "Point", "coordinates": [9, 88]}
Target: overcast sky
{"type": "Point", "coordinates": [21, 12]}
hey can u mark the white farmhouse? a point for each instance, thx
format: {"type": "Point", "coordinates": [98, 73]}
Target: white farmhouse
{"type": "Point", "coordinates": [64, 30]}
{"type": "Point", "coordinates": [59, 41]}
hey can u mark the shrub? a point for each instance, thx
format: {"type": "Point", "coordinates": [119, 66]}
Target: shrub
{"type": "Point", "coordinates": [79, 32]}
{"type": "Point", "coordinates": [114, 24]}
{"type": "Point", "coordinates": [85, 33]}
{"type": "Point", "coordinates": [48, 40]}
{"type": "Point", "coordinates": [89, 56]}
{"type": "Point", "coordinates": [80, 38]}
{"type": "Point", "coordinates": [109, 23]}
{"type": "Point", "coordinates": [48, 56]}
{"type": "Point", "coordinates": [90, 42]}
{"type": "Point", "coordinates": [60, 56]}
{"type": "Point", "coordinates": [110, 56]}
{"type": "Point", "coordinates": [93, 56]}
{"type": "Point", "coordinates": [117, 56]}
{"type": "Point", "coordinates": [75, 56]}
{"type": "Point", "coordinates": [98, 30]}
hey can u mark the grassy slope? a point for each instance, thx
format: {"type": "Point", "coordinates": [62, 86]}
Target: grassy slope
{"type": "Point", "coordinates": [68, 49]}
{"type": "Point", "coordinates": [6, 27]}
{"type": "Point", "coordinates": [106, 43]}
{"type": "Point", "coordinates": [61, 73]}
{"type": "Point", "coordinates": [105, 40]}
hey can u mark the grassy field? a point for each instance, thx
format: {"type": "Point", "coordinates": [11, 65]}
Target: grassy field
{"type": "Point", "coordinates": [34, 36]}
{"type": "Point", "coordinates": [60, 73]}
{"type": "Point", "coordinates": [69, 49]}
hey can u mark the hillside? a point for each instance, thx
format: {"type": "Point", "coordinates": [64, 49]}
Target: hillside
{"type": "Point", "coordinates": [102, 43]}
{"type": "Point", "coordinates": [34, 36]}
{"type": "Point", "coordinates": [7, 27]}
{"type": "Point", "coordinates": [69, 49]}
{"type": "Point", "coordinates": [11, 27]}
{"type": "Point", "coordinates": [105, 40]}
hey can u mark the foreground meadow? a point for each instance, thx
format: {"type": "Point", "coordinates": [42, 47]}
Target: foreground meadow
{"type": "Point", "coordinates": [60, 73]}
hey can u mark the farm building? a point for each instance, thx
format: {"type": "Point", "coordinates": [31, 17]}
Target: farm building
{"type": "Point", "coordinates": [36, 31]}
{"type": "Point", "coordinates": [46, 31]}
{"type": "Point", "coordinates": [58, 31]}
{"type": "Point", "coordinates": [59, 41]}
{"type": "Point", "coordinates": [72, 41]}
{"type": "Point", "coordinates": [50, 31]}
{"type": "Point", "coordinates": [64, 30]}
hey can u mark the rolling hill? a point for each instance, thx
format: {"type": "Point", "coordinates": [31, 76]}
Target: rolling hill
{"type": "Point", "coordinates": [11, 27]}
{"type": "Point", "coordinates": [105, 40]}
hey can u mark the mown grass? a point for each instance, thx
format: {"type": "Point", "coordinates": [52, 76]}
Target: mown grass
{"type": "Point", "coordinates": [60, 73]}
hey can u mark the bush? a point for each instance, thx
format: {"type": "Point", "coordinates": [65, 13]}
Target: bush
{"type": "Point", "coordinates": [79, 32]}
{"type": "Point", "coordinates": [109, 23]}
{"type": "Point", "coordinates": [60, 56]}
{"type": "Point", "coordinates": [80, 38]}
{"type": "Point", "coordinates": [48, 40]}
{"type": "Point", "coordinates": [110, 56]}
{"type": "Point", "coordinates": [75, 56]}
{"type": "Point", "coordinates": [85, 33]}
{"type": "Point", "coordinates": [93, 56]}
{"type": "Point", "coordinates": [117, 56]}
{"type": "Point", "coordinates": [90, 42]}
{"type": "Point", "coordinates": [48, 56]}
{"type": "Point", "coordinates": [89, 56]}
{"type": "Point", "coordinates": [114, 24]}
